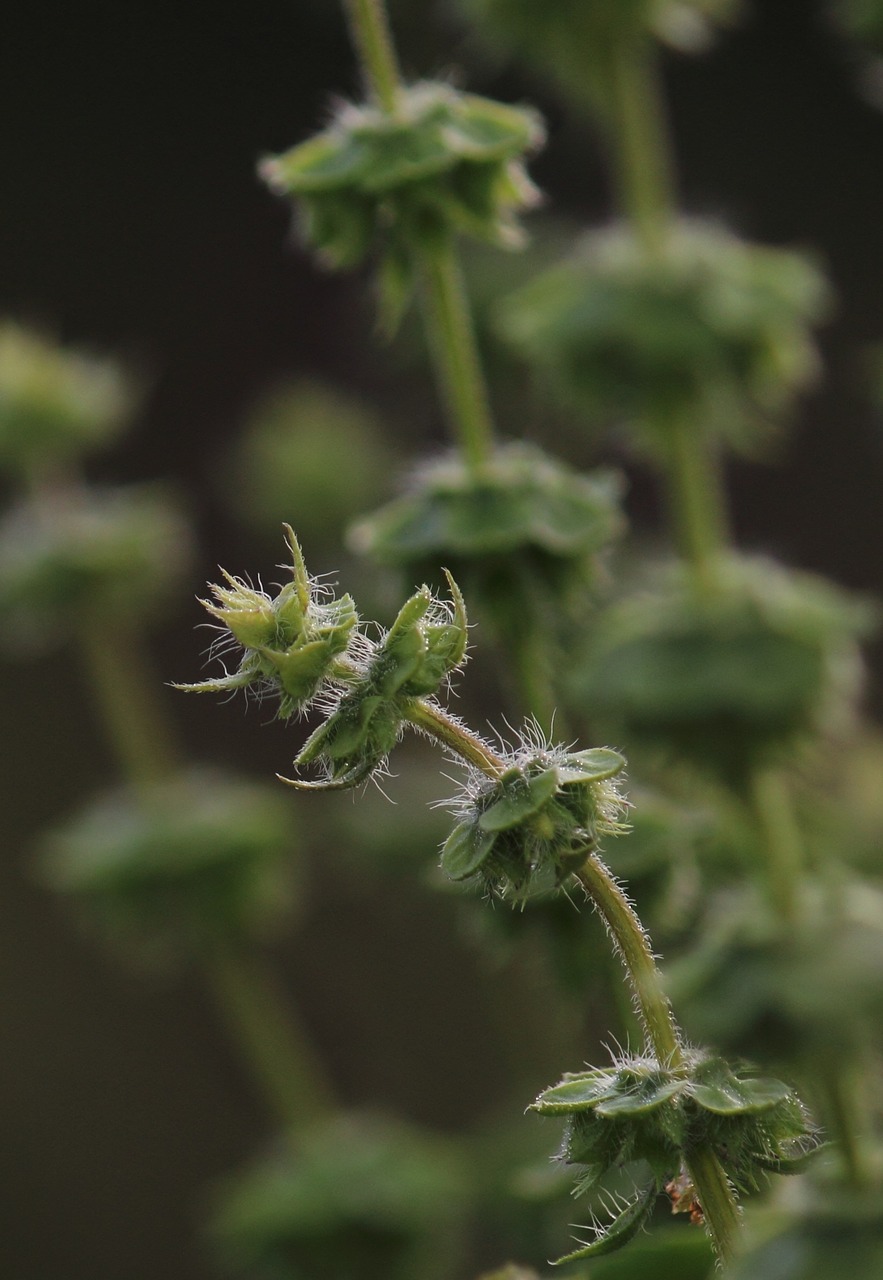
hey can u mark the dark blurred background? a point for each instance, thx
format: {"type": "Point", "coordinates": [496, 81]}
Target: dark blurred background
{"type": "Point", "coordinates": [132, 222]}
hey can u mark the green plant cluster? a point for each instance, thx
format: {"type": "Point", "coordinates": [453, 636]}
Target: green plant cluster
{"type": "Point", "coordinates": [378, 181]}
{"type": "Point", "coordinates": [713, 329]}
{"type": "Point", "coordinates": [529, 831]}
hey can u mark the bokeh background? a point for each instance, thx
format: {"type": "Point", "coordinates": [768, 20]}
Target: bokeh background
{"type": "Point", "coordinates": [132, 222]}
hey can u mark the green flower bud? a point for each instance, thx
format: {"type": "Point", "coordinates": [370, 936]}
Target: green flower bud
{"type": "Point", "coordinates": [712, 331]}
{"type": "Point", "coordinates": [179, 866]}
{"type": "Point", "coordinates": [424, 646]}
{"type": "Point", "coordinates": [55, 404]}
{"type": "Point", "coordinates": [290, 641]}
{"type": "Point", "coordinates": [529, 830]}
{"type": "Point", "coordinates": [362, 1197]}
{"type": "Point", "coordinates": [640, 1112]}
{"type": "Point", "coordinates": [88, 556]}
{"type": "Point", "coordinates": [727, 680]}
{"type": "Point", "coordinates": [442, 162]}
{"type": "Point", "coordinates": [525, 533]}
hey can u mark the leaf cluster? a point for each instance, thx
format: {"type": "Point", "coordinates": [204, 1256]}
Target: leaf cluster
{"type": "Point", "coordinates": [713, 330]}
{"type": "Point", "coordinates": [529, 830]}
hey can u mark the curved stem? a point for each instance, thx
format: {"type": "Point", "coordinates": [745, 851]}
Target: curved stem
{"type": "Point", "coordinates": [436, 723]}
{"type": "Point", "coordinates": [371, 35]}
{"type": "Point", "coordinates": [454, 350]}
{"type": "Point", "coordinates": [262, 1024]}
{"type": "Point", "coordinates": [634, 950]}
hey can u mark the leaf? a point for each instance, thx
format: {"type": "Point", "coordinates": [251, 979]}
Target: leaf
{"type": "Point", "coordinates": [520, 800]}
{"type": "Point", "coordinates": [591, 766]}
{"type": "Point", "coordinates": [735, 1097]}
{"type": "Point", "coordinates": [619, 1231]}
{"type": "Point", "coordinates": [638, 1100]}
{"type": "Point", "coordinates": [580, 1092]}
{"type": "Point", "coordinates": [465, 850]}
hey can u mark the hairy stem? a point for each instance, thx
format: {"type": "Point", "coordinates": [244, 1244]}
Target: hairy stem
{"type": "Point", "coordinates": [371, 36]}
{"type": "Point", "coordinates": [454, 350]}
{"type": "Point", "coordinates": [633, 946]}
{"type": "Point", "coordinates": [278, 1052]}
{"type": "Point", "coordinates": [436, 723]}
{"type": "Point", "coordinates": [718, 1203]}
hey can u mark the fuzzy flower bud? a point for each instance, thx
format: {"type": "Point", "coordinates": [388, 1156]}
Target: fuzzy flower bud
{"type": "Point", "coordinates": [289, 641]}
{"type": "Point", "coordinates": [644, 1113]}
{"type": "Point", "coordinates": [529, 830]}
{"type": "Point", "coordinates": [442, 162]}
{"type": "Point", "coordinates": [424, 646]}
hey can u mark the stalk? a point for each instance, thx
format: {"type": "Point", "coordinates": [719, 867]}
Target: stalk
{"type": "Point", "coordinates": [124, 690]}
{"type": "Point", "coordinates": [274, 1046]}
{"type": "Point", "coordinates": [446, 309]}
{"type": "Point", "coordinates": [454, 350]}
{"type": "Point", "coordinates": [774, 817]}
{"type": "Point", "coordinates": [641, 151]}
{"type": "Point", "coordinates": [634, 950]}
{"type": "Point", "coordinates": [279, 1053]}
{"type": "Point", "coordinates": [697, 503]}
{"type": "Point", "coordinates": [371, 35]}
{"type": "Point", "coordinates": [450, 733]}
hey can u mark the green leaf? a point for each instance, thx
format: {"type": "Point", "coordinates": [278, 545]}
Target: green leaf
{"type": "Point", "coordinates": [576, 1092]}
{"type": "Point", "coordinates": [519, 801]}
{"type": "Point", "coordinates": [640, 1098]}
{"type": "Point", "coordinates": [734, 1097]}
{"type": "Point", "coordinates": [590, 766]}
{"type": "Point", "coordinates": [620, 1230]}
{"type": "Point", "coordinates": [465, 850]}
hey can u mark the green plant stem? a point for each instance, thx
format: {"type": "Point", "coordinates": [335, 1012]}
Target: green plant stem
{"type": "Point", "coordinates": [371, 36]}
{"type": "Point", "coordinates": [633, 946]}
{"type": "Point", "coordinates": [838, 1088]}
{"type": "Point", "coordinates": [436, 723]}
{"type": "Point", "coordinates": [124, 690]}
{"type": "Point", "coordinates": [278, 1052]}
{"type": "Point", "coordinates": [720, 1210]}
{"type": "Point", "coordinates": [782, 846]}
{"type": "Point", "coordinates": [455, 351]}
{"type": "Point", "coordinates": [696, 501]}
{"type": "Point", "coordinates": [713, 1190]}
{"type": "Point", "coordinates": [641, 152]}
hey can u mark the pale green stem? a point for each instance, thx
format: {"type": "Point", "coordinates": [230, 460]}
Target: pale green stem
{"type": "Point", "coordinates": [697, 502]}
{"type": "Point", "coordinates": [780, 840]}
{"type": "Point", "coordinates": [454, 350]}
{"type": "Point", "coordinates": [278, 1052]}
{"type": "Point", "coordinates": [371, 35]}
{"type": "Point", "coordinates": [124, 691]}
{"type": "Point", "coordinates": [641, 149]}
{"type": "Point", "coordinates": [436, 723]}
